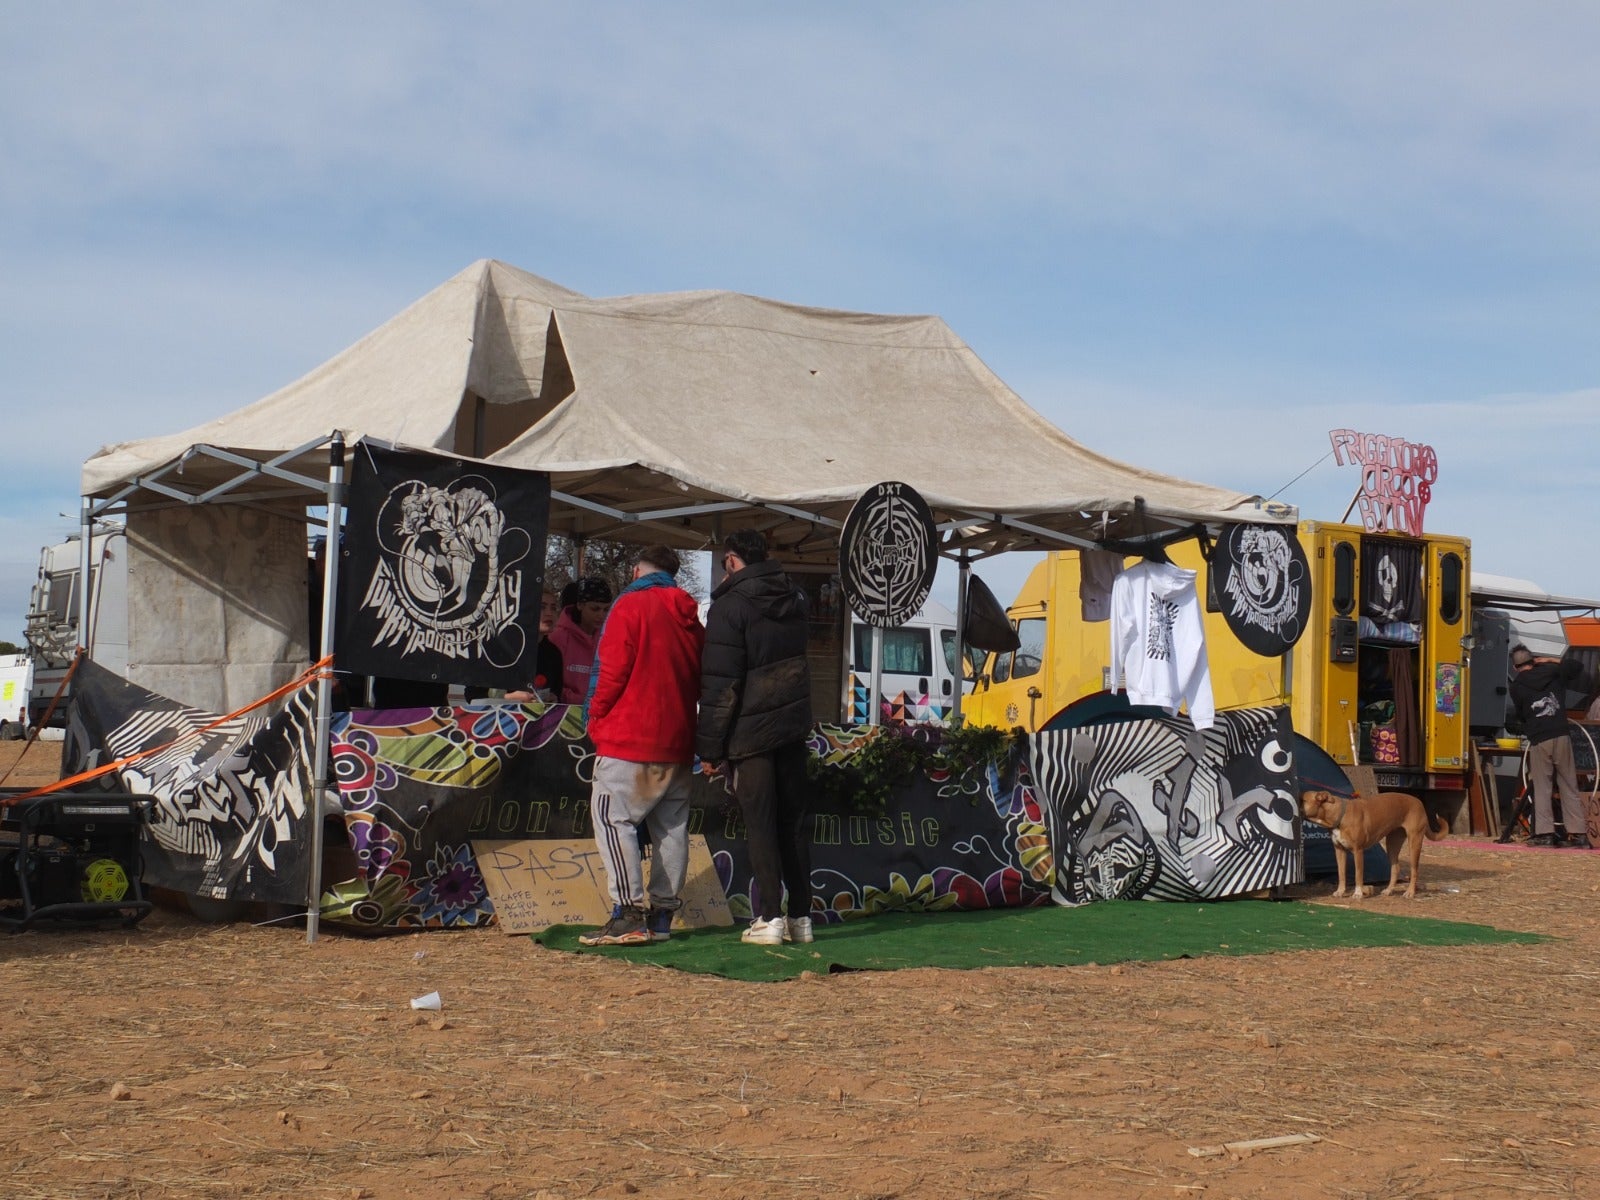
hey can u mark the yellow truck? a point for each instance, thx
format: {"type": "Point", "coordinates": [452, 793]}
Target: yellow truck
{"type": "Point", "coordinates": [1389, 693]}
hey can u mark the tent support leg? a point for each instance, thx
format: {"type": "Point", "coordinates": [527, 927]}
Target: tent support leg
{"type": "Point", "coordinates": [85, 544]}
{"type": "Point", "coordinates": [874, 711]}
{"type": "Point", "coordinates": [324, 734]}
{"type": "Point", "coordinates": [965, 568]}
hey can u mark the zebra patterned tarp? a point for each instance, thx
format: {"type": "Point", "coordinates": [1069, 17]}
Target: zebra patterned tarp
{"type": "Point", "coordinates": [228, 818]}
{"type": "Point", "coordinates": [1153, 809]}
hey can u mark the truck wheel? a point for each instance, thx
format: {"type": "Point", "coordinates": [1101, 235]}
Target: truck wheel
{"type": "Point", "coordinates": [10, 731]}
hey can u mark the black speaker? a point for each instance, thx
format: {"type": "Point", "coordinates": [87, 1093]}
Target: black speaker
{"type": "Point", "coordinates": [1489, 701]}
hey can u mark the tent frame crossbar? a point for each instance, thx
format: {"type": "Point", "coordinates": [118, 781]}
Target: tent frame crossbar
{"type": "Point", "coordinates": [253, 469]}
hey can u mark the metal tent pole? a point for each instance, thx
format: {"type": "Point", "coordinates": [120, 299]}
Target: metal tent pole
{"type": "Point", "coordinates": [324, 725]}
{"type": "Point", "coordinates": [874, 716]}
{"type": "Point", "coordinates": [960, 668]}
{"type": "Point", "coordinates": [86, 538]}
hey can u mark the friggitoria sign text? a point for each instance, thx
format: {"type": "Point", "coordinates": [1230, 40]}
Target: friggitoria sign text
{"type": "Point", "coordinates": [1397, 479]}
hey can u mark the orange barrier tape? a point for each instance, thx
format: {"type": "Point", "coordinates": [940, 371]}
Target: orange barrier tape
{"type": "Point", "coordinates": [314, 671]}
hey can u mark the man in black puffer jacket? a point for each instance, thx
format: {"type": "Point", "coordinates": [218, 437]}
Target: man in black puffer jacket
{"type": "Point", "coordinates": [755, 715]}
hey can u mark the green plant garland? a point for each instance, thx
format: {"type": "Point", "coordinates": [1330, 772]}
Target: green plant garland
{"type": "Point", "coordinates": [886, 762]}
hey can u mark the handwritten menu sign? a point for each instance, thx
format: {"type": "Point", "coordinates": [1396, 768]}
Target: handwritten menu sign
{"type": "Point", "coordinates": [535, 883]}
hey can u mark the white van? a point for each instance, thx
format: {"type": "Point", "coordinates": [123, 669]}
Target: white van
{"type": "Point", "coordinates": [921, 667]}
{"type": "Point", "coordinates": [16, 681]}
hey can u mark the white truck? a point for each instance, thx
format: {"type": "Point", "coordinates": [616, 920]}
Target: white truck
{"type": "Point", "coordinates": [51, 629]}
{"type": "Point", "coordinates": [16, 680]}
{"type": "Point", "coordinates": [921, 669]}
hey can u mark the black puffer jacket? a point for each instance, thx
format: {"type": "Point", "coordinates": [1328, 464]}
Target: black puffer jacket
{"type": "Point", "coordinates": [755, 686]}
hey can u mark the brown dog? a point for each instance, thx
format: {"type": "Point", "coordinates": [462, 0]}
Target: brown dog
{"type": "Point", "coordinates": [1393, 818]}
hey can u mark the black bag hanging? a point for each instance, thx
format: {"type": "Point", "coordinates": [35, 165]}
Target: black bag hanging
{"type": "Point", "coordinates": [987, 627]}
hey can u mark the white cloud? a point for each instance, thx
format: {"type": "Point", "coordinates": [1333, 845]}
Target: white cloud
{"type": "Point", "coordinates": [1168, 116]}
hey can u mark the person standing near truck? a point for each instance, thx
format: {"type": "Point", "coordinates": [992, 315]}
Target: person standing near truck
{"type": "Point", "coordinates": [1537, 690]}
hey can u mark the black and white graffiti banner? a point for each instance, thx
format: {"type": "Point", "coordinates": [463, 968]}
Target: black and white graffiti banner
{"type": "Point", "coordinates": [228, 817]}
{"type": "Point", "coordinates": [444, 560]}
{"type": "Point", "coordinates": [887, 554]}
{"type": "Point", "coordinates": [1150, 808]}
{"type": "Point", "coordinates": [1260, 577]}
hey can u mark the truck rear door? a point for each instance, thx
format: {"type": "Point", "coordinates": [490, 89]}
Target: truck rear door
{"type": "Point", "coordinates": [1326, 704]}
{"type": "Point", "coordinates": [1444, 673]}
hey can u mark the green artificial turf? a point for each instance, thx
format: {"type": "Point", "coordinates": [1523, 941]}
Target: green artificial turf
{"type": "Point", "coordinates": [1032, 937]}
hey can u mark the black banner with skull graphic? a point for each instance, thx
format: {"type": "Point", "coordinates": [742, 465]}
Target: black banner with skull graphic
{"type": "Point", "coordinates": [443, 562]}
{"type": "Point", "coordinates": [1391, 580]}
{"type": "Point", "coordinates": [1262, 582]}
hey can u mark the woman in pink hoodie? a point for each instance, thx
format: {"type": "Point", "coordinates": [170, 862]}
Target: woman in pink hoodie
{"type": "Point", "coordinates": [575, 636]}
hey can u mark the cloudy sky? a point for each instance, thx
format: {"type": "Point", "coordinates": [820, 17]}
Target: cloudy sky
{"type": "Point", "coordinates": [1197, 237]}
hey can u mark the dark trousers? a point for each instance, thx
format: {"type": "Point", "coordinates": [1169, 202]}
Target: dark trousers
{"type": "Point", "coordinates": [772, 790]}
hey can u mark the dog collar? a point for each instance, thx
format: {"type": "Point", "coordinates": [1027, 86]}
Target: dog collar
{"type": "Point", "coordinates": [1344, 802]}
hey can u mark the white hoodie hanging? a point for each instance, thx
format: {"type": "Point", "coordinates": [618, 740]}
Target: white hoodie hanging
{"type": "Point", "coordinates": [1158, 644]}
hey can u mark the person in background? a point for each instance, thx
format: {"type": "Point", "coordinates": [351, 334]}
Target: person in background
{"type": "Point", "coordinates": [575, 634]}
{"type": "Point", "coordinates": [1537, 689]}
{"type": "Point", "coordinates": [642, 723]}
{"type": "Point", "coordinates": [547, 680]}
{"type": "Point", "coordinates": [755, 714]}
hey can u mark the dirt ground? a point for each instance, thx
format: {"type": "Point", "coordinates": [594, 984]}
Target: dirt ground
{"type": "Point", "coordinates": [249, 1063]}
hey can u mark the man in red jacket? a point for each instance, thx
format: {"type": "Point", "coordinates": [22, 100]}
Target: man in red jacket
{"type": "Point", "coordinates": [642, 695]}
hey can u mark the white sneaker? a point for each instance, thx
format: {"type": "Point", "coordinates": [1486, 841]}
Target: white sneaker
{"type": "Point", "coordinates": [799, 930]}
{"type": "Point", "coordinates": [766, 933]}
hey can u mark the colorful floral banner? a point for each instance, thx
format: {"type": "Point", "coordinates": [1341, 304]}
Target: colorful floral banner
{"type": "Point", "coordinates": [419, 785]}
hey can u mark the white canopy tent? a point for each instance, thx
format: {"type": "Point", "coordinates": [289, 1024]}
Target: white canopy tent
{"type": "Point", "coordinates": [692, 411]}
{"type": "Point", "coordinates": [687, 412]}
{"type": "Point", "coordinates": [673, 417]}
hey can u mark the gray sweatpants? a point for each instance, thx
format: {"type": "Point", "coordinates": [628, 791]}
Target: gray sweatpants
{"type": "Point", "coordinates": [1553, 759]}
{"type": "Point", "coordinates": [625, 795]}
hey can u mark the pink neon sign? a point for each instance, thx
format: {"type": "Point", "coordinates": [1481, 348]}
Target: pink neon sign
{"type": "Point", "coordinates": [1397, 478]}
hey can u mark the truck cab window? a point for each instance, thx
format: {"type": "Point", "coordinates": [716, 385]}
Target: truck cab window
{"type": "Point", "coordinates": [1030, 654]}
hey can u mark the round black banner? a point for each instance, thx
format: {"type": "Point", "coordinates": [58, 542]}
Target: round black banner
{"type": "Point", "coordinates": [1260, 577]}
{"type": "Point", "coordinates": [887, 554]}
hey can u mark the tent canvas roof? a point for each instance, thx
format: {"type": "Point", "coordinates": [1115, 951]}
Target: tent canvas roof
{"type": "Point", "coordinates": [479, 334]}
{"type": "Point", "coordinates": [673, 417]}
{"type": "Point", "coordinates": [1504, 591]}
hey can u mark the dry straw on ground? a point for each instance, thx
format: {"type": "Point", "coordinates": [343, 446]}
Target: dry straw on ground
{"type": "Point", "coordinates": [257, 1065]}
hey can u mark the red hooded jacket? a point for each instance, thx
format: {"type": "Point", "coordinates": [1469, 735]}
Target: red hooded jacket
{"type": "Point", "coordinates": [643, 707]}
